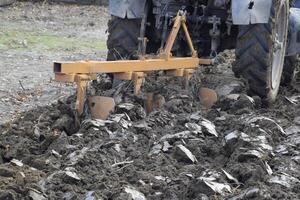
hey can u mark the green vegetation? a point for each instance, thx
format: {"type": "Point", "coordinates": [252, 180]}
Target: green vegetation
{"type": "Point", "coordinates": [22, 40]}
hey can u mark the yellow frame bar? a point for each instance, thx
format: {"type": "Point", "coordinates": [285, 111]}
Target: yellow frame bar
{"type": "Point", "coordinates": [83, 71]}
{"type": "Point", "coordinates": [94, 67]}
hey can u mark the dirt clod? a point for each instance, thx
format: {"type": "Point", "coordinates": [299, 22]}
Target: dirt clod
{"type": "Point", "coordinates": [177, 151]}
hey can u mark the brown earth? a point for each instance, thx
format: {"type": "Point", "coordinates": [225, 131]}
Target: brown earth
{"type": "Point", "coordinates": [32, 36]}
{"type": "Point", "coordinates": [236, 150]}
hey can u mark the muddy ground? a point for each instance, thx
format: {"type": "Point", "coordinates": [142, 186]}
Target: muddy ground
{"type": "Point", "coordinates": [236, 150]}
{"type": "Point", "coordinates": [32, 36]}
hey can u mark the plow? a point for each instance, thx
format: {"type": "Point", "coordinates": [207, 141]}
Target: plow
{"type": "Point", "coordinates": [161, 34]}
{"type": "Point", "coordinates": [82, 72]}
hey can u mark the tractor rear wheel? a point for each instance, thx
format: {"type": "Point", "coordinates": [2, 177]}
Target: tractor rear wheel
{"type": "Point", "coordinates": [260, 52]}
{"type": "Point", "coordinates": [122, 42]}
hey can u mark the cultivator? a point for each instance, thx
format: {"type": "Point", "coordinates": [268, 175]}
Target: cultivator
{"type": "Point", "coordinates": [82, 72]}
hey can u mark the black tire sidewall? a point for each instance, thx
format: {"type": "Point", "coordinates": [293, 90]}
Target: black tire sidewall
{"type": "Point", "coordinates": [254, 54]}
{"type": "Point", "coordinates": [122, 42]}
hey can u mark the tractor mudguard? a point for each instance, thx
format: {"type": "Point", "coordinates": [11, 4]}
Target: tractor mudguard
{"type": "Point", "coordinates": [131, 9]}
{"type": "Point", "coordinates": [246, 12]}
{"type": "Point", "coordinates": [296, 4]}
{"type": "Point", "coordinates": [293, 46]}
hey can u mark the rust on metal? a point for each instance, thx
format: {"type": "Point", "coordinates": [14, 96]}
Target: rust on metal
{"type": "Point", "coordinates": [208, 97]}
{"type": "Point", "coordinates": [101, 106]}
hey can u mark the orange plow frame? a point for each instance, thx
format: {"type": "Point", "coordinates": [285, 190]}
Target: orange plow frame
{"type": "Point", "coordinates": [82, 72]}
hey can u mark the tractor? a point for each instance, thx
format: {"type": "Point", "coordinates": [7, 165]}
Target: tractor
{"type": "Point", "coordinates": [264, 33]}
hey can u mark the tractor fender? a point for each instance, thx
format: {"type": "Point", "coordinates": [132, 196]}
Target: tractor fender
{"type": "Point", "coordinates": [296, 4]}
{"type": "Point", "coordinates": [131, 9]}
{"type": "Point", "coordinates": [293, 46]}
{"type": "Point", "coordinates": [246, 12]}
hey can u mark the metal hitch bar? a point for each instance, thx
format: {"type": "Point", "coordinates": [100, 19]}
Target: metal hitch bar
{"type": "Point", "coordinates": [81, 72]}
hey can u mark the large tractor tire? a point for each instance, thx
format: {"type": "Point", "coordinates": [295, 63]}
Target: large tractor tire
{"type": "Point", "coordinates": [122, 40]}
{"type": "Point", "coordinates": [260, 52]}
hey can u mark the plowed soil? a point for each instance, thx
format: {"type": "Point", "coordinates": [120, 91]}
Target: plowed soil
{"type": "Point", "coordinates": [238, 149]}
